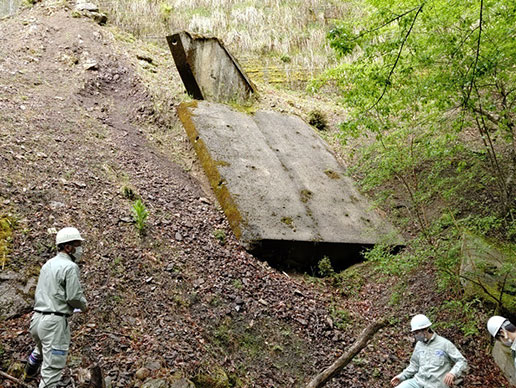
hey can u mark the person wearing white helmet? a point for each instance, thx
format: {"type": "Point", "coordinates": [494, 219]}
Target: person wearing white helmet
{"type": "Point", "coordinates": [435, 362]}
{"type": "Point", "coordinates": [58, 295]}
{"type": "Point", "coordinates": [504, 331]}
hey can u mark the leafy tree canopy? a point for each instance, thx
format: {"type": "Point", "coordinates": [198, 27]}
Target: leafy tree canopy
{"type": "Point", "coordinates": [435, 82]}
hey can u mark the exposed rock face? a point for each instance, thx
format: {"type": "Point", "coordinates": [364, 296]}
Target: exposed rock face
{"type": "Point", "coordinates": [12, 299]}
{"type": "Point", "coordinates": [85, 6]}
{"type": "Point", "coordinates": [208, 70]}
{"type": "Point", "coordinates": [91, 10]}
{"type": "Point", "coordinates": [278, 182]}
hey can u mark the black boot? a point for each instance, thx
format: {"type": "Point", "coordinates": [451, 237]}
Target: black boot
{"type": "Point", "coordinates": [31, 369]}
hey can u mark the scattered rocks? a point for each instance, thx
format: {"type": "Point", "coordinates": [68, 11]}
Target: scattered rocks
{"type": "Point", "coordinates": [85, 6]}
{"type": "Point", "coordinates": [91, 65]}
{"type": "Point", "coordinates": [156, 383]}
{"type": "Point", "coordinates": [142, 374]}
{"type": "Point", "coordinates": [91, 10]}
{"type": "Point", "coordinates": [182, 383]}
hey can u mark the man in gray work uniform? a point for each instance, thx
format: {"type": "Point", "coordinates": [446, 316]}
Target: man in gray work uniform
{"type": "Point", "coordinates": [435, 362]}
{"type": "Point", "coordinates": [58, 294]}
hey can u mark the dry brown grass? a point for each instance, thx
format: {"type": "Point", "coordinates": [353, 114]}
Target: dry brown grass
{"type": "Point", "coordinates": [276, 40]}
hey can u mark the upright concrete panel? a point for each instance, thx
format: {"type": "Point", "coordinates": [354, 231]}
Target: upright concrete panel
{"type": "Point", "coordinates": [208, 70]}
{"type": "Point", "coordinates": [503, 358]}
{"type": "Point", "coordinates": [278, 181]}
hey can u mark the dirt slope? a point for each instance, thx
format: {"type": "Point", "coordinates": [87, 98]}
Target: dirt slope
{"type": "Point", "coordinates": [77, 127]}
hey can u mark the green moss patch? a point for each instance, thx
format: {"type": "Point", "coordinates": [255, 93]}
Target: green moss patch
{"type": "Point", "coordinates": [210, 168]}
{"type": "Point", "coordinates": [6, 232]}
{"type": "Point", "coordinates": [332, 174]}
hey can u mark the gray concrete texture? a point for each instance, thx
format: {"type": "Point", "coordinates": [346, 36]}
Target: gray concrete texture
{"type": "Point", "coordinates": [503, 358]}
{"type": "Point", "coordinates": [277, 179]}
{"type": "Point", "coordinates": [208, 70]}
{"type": "Point", "coordinates": [484, 262]}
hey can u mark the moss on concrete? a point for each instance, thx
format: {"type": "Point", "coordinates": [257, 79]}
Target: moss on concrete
{"type": "Point", "coordinates": [332, 174]}
{"type": "Point", "coordinates": [306, 195]}
{"type": "Point", "coordinates": [209, 165]}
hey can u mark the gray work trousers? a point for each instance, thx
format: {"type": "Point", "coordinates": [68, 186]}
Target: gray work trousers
{"type": "Point", "coordinates": [52, 336]}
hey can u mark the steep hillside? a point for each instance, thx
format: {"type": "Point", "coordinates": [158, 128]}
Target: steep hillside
{"type": "Point", "coordinates": [88, 125]}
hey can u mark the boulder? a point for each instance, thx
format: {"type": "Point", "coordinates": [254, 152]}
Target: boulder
{"type": "Point", "coordinates": [85, 6]}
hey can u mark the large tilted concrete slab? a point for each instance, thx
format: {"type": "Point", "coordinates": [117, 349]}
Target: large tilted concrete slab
{"type": "Point", "coordinates": [208, 70]}
{"type": "Point", "coordinates": [278, 182]}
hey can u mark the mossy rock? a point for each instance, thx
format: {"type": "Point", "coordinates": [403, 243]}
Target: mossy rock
{"type": "Point", "coordinates": [489, 264]}
{"type": "Point", "coordinates": [216, 379]}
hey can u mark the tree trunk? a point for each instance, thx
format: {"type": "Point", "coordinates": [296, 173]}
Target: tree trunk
{"type": "Point", "coordinates": [343, 360]}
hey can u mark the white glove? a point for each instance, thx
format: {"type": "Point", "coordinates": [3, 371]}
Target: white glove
{"type": "Point", "coordinates": [77, 310]}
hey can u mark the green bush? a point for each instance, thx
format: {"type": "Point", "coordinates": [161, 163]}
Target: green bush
{"type": "Point", "coordinates": [324, 268]}
{"type": "Point", "coordinates": [318, 120]}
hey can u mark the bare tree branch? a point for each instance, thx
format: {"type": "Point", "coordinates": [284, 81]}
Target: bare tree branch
{"type": "Point", "coordinates": [388, 81]}
{"type": "Point", "coordinates": [384, 24]}
{"type": "Point", "coordinates": [323, 377]}
{"type": "Point", "coordinates": [476, 55]}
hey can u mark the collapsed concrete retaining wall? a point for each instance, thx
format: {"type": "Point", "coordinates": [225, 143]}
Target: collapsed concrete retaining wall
{"type": "Point", "coordinates": [208, 70]}
{"type": "Point", "coordinates": [283, 191]}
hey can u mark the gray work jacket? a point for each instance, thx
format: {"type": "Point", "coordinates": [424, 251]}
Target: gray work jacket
{"type": "Point", "coordinates": [430, 362]}
{"type": "Point", "coordinates": [59, 289]}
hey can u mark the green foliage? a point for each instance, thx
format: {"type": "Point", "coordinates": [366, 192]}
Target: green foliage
{"type": "Point", "coordinates": [390, 264]}
{"type": "Point", "coordinates": [318, 120]}
{"type": "Point", "coordinates": [140, 215]}
{"type": "Point", "coordinates": [285, 58]}
{"type": "Point", "coordinates": [165, 10]}
{"type": "Point", "coordinates": [466, 313]}
{"type": "Point", "coordinates": [432, 84]}
{"type": "Point", "coordinates": [324, 268]}
{"type": "Point", "coordinates": [341, 318]}
{"type": "Point", "coordinates": [220, 235]}
{"type": "Point", "coordinates": [350, 280]}
{"type": "Point", "coordinates": [7, 224]}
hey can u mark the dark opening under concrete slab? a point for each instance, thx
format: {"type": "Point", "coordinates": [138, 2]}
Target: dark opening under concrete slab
{"type": "Point", "coordinates": [286, 196]}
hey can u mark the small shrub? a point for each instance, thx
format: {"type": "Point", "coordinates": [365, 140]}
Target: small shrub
{"type": "Point", "coordinates": [129, 193]}
{"type": "Point", "coordinates": [285, 58]}
{"type": "Point", "coordinates": [140, 215]}
{"type": "Point", "coordinates": [165, 10]}
{"type": "Point", "coordinates": [220, 235]}
{"type": "Point", "coordinates": [324, 268]}
{"type": "Point", "coordinates": [341, 318]}
{"type": "Point", "coordinates": [318, 120]}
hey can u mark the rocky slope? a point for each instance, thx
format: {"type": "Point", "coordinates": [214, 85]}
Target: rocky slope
{"type": "Point", "coordinates": [82, 136]}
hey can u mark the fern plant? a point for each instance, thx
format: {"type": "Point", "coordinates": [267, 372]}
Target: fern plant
{"type": "Point", "coordinates": [140, 215]}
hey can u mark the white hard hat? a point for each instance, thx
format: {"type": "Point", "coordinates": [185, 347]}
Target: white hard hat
{"type": "Point", "coordinates": [419, 322]}
{"type": "Point", "coordinates": [68, 234]}
{"type": "Point", "coordinates": [494, 324]}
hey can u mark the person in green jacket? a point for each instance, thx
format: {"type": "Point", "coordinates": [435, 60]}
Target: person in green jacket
{"type": "Point", "coordinates": [58, 295]}
{"type": "Point", "coordinates": [435, 362]}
